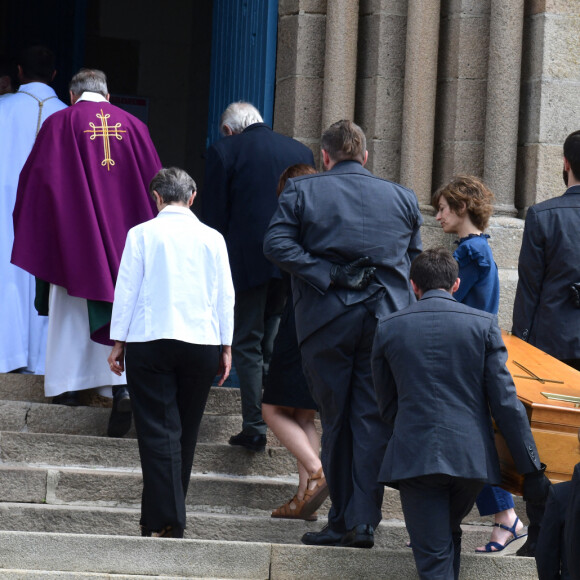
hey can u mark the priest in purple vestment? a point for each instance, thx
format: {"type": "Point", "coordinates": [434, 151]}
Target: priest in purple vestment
{"type": "Point", "coordinates": [83, 187]}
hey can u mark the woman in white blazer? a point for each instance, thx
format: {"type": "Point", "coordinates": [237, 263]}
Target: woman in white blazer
{"type": "Point", "coordinates": [172, 324]}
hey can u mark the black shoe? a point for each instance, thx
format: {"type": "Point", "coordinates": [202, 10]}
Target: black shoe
{"type": "Point", "coordinates": [361, 536]}
{"type": "Point", "coordinates": [166, 532]}
{"type": "Point", "coordinates": [325, 537]}
{"type": "Point", "coordinates": [251, 442]}
{"type": "Point", "coordinates": [120, 419]}
{"type": "Point", "coordinates": [68, 398]}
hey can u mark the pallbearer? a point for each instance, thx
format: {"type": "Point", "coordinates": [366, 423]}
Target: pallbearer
{"type": "Point", "coordinates": [440, 375]}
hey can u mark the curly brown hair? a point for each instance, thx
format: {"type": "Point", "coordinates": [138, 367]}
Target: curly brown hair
{"type": "Point", "coordinates": [466, 193]}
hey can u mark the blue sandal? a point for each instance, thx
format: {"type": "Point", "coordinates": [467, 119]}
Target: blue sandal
{"type": "Point", "coordinates": [496, 547]}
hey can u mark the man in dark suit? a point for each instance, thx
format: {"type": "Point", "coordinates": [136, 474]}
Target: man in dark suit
{"type": "Point", "coordinates": [547, 304]}
{"type": "Point", "coordinates": [439, 368]}
{"type": "Point", "coordinates": [242, 172]}
{"type": "Point", "coordinates": [348, 239]}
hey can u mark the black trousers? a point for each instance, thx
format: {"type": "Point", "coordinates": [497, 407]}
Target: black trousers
{"type": "Point", "coordinates": [434, 506]}
{"type": "Point", "coordinates": [337, 365]}
{"type": "Point", "coordinates": [169, 381]}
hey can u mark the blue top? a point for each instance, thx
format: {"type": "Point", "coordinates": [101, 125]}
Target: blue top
{"type": "Point", "coordinates": [479, 286]}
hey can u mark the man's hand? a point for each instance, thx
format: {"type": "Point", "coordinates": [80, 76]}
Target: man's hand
{"type": "Point", "coordinates": [536, 486]}
{"type": "Point", "coordinates": [225, 364]}
{"type": "Point", "coordinates": [355, 276]}
{"type": "Point", "coordinates": [117, 358]}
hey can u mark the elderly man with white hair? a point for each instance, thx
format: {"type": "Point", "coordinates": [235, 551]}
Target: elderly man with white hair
{"type": "Point", "coordinates": [239, 198]}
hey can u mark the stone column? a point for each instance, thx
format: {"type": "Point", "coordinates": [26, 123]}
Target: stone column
{"type": "Point", "coordinates": [381, 78]}
{"type": "Point", "coordinates": [300, 71]}
{"type": "Point", "coordinates": [503, 101]}
{"type": "Point", "coordinates": [550, 106]}
{"type": "Point", "coordinates": [419, 96]}
{"type": "Point", "coordinates": [340, 61]}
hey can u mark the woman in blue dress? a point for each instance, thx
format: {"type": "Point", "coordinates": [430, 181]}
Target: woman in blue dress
{"type": "Point", "coordinates": [464, 207]}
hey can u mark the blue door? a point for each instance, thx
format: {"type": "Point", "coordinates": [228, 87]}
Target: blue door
{"type": "Point", "coordinates": [243, 58]}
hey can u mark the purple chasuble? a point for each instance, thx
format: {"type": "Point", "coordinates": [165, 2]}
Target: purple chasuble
{"type": "Point", "coordinates": [83, 187]}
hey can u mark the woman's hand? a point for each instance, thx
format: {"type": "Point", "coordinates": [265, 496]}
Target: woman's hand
{"type": "Point", "coordinates": [117, 358]}
{"type": "Point", "coordinates": [225, 365]}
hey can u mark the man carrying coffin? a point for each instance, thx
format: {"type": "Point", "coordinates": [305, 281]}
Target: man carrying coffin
{"type": "Point", "coordinates": [440, 375]}
{"type": "Point", "coordinates": [84, 185]}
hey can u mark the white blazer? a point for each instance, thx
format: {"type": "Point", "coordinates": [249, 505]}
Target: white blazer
{"type": "Point", "coordinates": [174, 282]}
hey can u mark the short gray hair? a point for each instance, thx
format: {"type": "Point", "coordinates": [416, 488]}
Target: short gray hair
{"type": "Point", "coordinates": [89, 79]}
{"type": "Point", "coordinates": [238, 116]}
{"type": "Point", "coordinates": [173, 185]}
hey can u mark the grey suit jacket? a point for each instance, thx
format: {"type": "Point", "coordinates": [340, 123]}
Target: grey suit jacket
{"type": "Point", "coordinates": [337, 217]}
{"type": "Point", "coordinates": [439, 369]}
{"type": "Point", "coordinates": [544, 313]}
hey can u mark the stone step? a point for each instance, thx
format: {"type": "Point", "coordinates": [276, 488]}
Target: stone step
{"type": "Point", "coordinates": [42, 449]}
{"type": "Point", "coordinates": [133, 556]}
{"type": "Point", "coordinates": [391, 534]}
{"type": "Point", "coordinates": [109, 487]}
{"type": "Point", "coordinates": [76, 554]}
{"type": "Point", "coordinates": [218, 493]}
{"type": "Point", "coordinates": [30, 388]}
{"type": "Point", "coordinates": [22, 416]}
{"type": "Point", "coordinates": [48, 575]}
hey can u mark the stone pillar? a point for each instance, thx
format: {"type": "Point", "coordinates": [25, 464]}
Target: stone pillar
{"type": "Point", "coordinates": [381, 78]}
{"type": "Point", "coordinates": [550, 106]}
{"type": "Point", "coordinates": [461, 90]}
{"type": "Point", "coordinates": [419, 96]}
{"type": "Point", "coordinates": [340, 61]}
{"type": "Point", "coordinates": [503, 101]}
{"type": "Point", "coordinates": [300, 70]}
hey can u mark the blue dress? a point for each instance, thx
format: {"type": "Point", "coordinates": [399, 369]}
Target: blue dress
{"type": "Point", "coordinates": [479, 288]}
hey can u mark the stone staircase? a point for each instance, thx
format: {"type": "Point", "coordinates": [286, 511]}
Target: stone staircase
{"type": "Point", "coordinates": [69, 505]}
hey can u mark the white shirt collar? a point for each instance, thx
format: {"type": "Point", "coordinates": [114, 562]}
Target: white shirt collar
{"type": "Point", "coordinates": [177, 209]}
{"type": "Point", "coordinates": [92, 97]}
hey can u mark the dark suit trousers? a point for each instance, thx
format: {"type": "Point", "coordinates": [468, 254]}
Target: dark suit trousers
{"type": "Point", "coordinates": [434, 507]}
{"type": "Point", "coordinates": [169, 381]}
{"type": "Point", "coordinates": [256, 318]}
{"type": "Point", "coordinates": [336, 362]}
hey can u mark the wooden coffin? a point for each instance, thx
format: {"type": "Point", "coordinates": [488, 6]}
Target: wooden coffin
{"type": "Point", "coordinates": [554, 423]}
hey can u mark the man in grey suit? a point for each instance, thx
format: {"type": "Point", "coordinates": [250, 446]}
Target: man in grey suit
{"type": "Point", "coordinates": [439, 368]}
{"type": "Point", "coordinates": [348, 239]}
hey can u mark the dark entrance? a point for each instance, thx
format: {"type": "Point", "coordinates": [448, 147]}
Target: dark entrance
{"type": "Point", "coordinates": [184, 61]}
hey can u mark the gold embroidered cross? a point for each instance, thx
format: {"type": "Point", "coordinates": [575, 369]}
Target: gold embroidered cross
{"type": "Point", "coordinates": [105, 131]}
